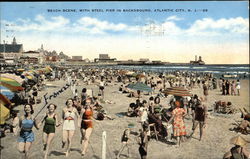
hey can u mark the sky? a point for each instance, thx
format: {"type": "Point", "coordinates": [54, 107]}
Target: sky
{"type": "Point", "coordinates": [168, 31]}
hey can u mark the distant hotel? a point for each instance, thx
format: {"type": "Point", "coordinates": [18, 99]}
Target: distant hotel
{"type": "Point", "coordinates": [11, 52]}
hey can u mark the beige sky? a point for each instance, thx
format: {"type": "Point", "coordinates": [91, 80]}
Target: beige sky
{"type": "Point", "coordinates": [156, 48]}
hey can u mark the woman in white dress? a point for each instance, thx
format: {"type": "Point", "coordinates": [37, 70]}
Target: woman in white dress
{"type": "Point", "coordinates": [69, 114]}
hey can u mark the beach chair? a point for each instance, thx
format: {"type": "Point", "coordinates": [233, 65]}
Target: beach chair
{"type": "Point", "coordinates": [154, 132]}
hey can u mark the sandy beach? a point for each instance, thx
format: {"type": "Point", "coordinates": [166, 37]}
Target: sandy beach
{"type": "Point", "coordinates": [213, 146]}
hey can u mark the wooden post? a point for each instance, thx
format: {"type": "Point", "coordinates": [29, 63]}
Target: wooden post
{"type": "Point", "coordinates": [104, 145]}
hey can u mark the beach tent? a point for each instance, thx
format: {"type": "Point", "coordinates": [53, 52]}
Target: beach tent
{"type": "Point", "coordinates": [4, 113]}
{"type": "Point", "coordinates": [178, 91]}
{"type": "Point", "coordinates": [140, 86]}
{"type": "Point", "coordinates": [7, 92]}
{"type": "Point", "coordinates": [13, 85]}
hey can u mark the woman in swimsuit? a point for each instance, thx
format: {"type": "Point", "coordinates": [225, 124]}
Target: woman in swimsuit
{"type": "Point", "coordinates": [69, 114]}
{"type": "Point", "coordinates": [86, 124]}
{"type": "Point", "coordinates": [26, 124]}
{"type": "Point", "coordinates": [50, 122]}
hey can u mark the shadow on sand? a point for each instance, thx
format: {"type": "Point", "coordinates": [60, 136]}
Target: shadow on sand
{"type": "Point", "coordinates": [57, 153]}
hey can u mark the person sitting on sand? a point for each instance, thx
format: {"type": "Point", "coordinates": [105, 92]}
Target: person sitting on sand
{"type": "Point", "coordinates": [134, 108]}
{"type": "Point", "coordinates": [155, 118]}
{"type": "Point", "coordinates": [244, 125]}
{"type": "Point", "coordinates": [199, 117]}
{"type": "Point", "coordinates": [238, 151]}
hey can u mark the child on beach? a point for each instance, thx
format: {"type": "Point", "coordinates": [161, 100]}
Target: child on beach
{"type": "Point", "coordinates": [199, 117]}
{"type": "Point", "coordinates": [124, 140]}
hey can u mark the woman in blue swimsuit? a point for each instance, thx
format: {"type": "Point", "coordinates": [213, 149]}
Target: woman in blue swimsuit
{"type": "Point", "coordinates": [26, 134]}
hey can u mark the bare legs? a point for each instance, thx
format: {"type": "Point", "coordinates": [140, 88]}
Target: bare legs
{"type": "Point", "coordinates": [201, 125]}
{"type": "Point", "coordinates": [67, 136]}
{"type": "Point", "coordinates": [85, 139]}
{"type": "Point", "coordinates": [124, 144]}
{"type": "Point", "coordinates": [47, 138]}
{"type": "Point", "coordinates": [24, 148]}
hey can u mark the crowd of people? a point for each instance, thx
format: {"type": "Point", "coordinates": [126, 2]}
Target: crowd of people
{"type": "Point", "coordinates": [159, 121]}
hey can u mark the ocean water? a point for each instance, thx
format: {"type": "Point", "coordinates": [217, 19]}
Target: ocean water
{"type": "Point", "coordinates": [242, 71]}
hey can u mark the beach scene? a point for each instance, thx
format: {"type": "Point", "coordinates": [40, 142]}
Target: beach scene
{"type": "Point", "coordinates": [124, 80]}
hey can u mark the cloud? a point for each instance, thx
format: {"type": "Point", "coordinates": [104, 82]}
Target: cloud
{"type": "Point", "coordinates": [206, 27]}
{"type": "Point", "coordinates": [211, 27]}
{"type": "Point", "coordinates": [40, 23]}
{"type": "Point", "coordinates": [173, 18]}
{"type": "Point", "coordinates": [102, 25]}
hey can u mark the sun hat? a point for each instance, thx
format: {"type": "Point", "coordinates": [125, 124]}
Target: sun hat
{"type": "Point", "coordinates": [238, 140]}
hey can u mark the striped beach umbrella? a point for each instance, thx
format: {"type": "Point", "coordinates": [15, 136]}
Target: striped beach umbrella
{"type": "Point", "coordinates": [178, 91]}
{"type": "Point", "coordinates": [7, 92]}
{"type": "Point", "coordinates": [13, 76]}
{"type": "Point", "coordinates": [4, 100]}
{"type": "Point", "coordinates": [13, 85]}
{"type": "Point", "coordinates": [4, 113]}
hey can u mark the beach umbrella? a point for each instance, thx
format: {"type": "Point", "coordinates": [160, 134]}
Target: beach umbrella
{"type": "Point", "coordinates": [170, 76]}
{"type": "Point", "coordinates": [13, 76]}
{"type": "Point", "coordinates": [4, 100]}
{"type": "Point", "coordinates": [140, 76]}
{"type": "Point", "coordinates": [29, 75]}
{"type": "Point", "coordinates": [13, 85]}
{"type": "Point", "coordinates": [130, 73]}
{"type": "Point", "coordinates": [140, 86]}
{"type": "Point", "coordinates": [177, 91]}
{"type": "Point", "coordinates": [122, 72]}
{"type": "Point", "coordinates": [238, 140]}
{"type": "Point", "coordinates": [7, 92]}
{"type": "Point", "coordinates": [4, 113]}
{"type": "Point", "coordinates": [20, 70]}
